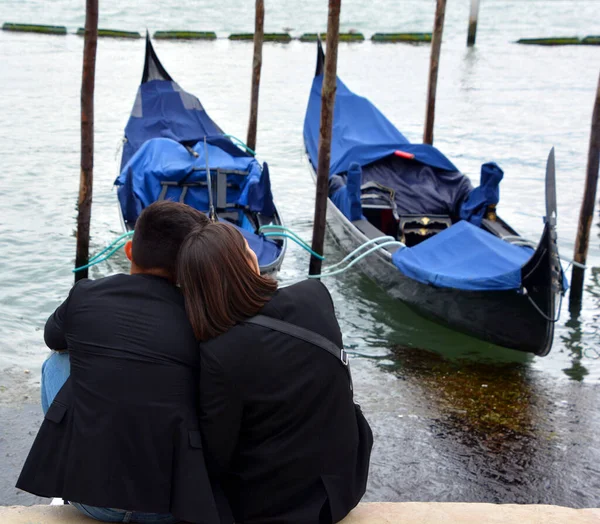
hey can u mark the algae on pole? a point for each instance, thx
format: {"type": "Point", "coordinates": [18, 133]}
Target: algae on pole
{"type": "Point", "coordinates": [185, 35]}
{"type": "Point", "coordinates": [33, 28]}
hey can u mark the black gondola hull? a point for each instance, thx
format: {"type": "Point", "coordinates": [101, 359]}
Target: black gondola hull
{"type": "Point", "coordinates": [504, 318]}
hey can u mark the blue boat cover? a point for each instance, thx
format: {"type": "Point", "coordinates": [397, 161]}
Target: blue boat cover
{"type": "Point", "coordinates": [475, 206]}
{"type": "Point", "coordinates": [361, 133]}
{"type": "Point", "coordinates": [163, 110]}
{"type": "Point", "coordinates": [266, 250]}
{"type": "Point", "coordinates": [464, 257]}
{"type": "Point", "coordinates": [162, 159]}
{"type": "Point", "coordinates": [347, 197]}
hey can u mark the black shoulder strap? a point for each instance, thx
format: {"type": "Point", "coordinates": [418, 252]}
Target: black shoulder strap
{"type": "Point", "coordinates": [303, 334]}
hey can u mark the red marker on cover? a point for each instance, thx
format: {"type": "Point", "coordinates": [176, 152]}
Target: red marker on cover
{"type": "Point", "coordinates": [404, 154]}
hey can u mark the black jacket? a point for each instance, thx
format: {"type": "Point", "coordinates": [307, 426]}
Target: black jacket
{"type": "Point", "coordinates": [280, 429]}
{"type": "Point", "coordinates": [123, 432]}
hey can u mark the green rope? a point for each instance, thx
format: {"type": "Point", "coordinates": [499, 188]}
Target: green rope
{"type": "Point", "coordinates": [241, 143]}
{"type": "Point", "coordinates": [288, 231]}
{"type": "Point", "coordinates": [112, 248]}
{"type": "Point", "coordinates": [299, 242]}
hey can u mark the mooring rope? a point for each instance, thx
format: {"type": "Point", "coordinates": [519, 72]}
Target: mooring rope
{"type": "Point", "coordinates": [241, 143]}
{"type": "Point", "coordinates": [112, 248]}
{"type": "Point", "coordinates": [520, 241]}
{"type": "Point", "coordinates": [538, 309]}
{"type": "Point", "coordinates": [350, 260]}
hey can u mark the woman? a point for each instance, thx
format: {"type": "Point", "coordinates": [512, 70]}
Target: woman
{"type": "Point", "coordinates": [280, 430]}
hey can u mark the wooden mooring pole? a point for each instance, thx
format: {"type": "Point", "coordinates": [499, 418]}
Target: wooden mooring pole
{"type": "Point", "coordinates": [586, 215]}
{"type": "Point", "coordinates": [473, 14]}
{"type": "Point", "coordinates": [325, 132]}
{"type": "Point", "coordinates": [259, 34]}
{"type": "Point", "coordinates": [434, 64]}
{"type": "Point", "coordinates": [86, 180]}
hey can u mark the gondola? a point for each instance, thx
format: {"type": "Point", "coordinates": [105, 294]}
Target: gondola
{"type": "Point", "coordinates": [173, 150]}
{"type": "Point", "coordinates": [460, 264]}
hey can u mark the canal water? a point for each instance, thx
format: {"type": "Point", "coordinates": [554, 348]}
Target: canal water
{"type": "Point", "coordinates": [454, 419]}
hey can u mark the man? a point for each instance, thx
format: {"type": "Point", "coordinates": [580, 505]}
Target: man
{"type": "Point", "coordinates": [123, 431]}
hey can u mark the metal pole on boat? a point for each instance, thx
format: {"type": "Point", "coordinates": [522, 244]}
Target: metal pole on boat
{"type": "Point", "coordinates": [434, 63]}
{"type": "Point", "coordinates": [473, 14]}
{"type": "Point", "coordinates": [325, 132]}
{"type": "Point", "coordinates": [259, 33]}
{"type": "Point", "coordinates": [84, 202]}
{"type": "Point", "coordinates": [586, 215]}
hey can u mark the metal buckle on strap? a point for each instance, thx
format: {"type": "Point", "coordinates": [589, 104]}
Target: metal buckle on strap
{"type": "Point", "coordinates": [344, 357]}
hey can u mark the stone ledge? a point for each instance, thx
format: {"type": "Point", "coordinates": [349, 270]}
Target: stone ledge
{"type": "Point", "coordinates": [367, 513]}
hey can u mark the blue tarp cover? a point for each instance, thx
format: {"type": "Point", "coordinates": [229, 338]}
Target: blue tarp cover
{"type": "Point", "coordinates": [475, 206]}
{"type": "Point", "coordinates": [464, 257]}
{"type": "Point", "coordinates": [266, 250]}
{"type": "Point", "coordinates": [361, 133]}
{"type": "Point", "coordinates": [347, 197]}
{"type": "Point", "coordinates": [162, 159]}
{"type": "Point", "coordinates": [163, 109]}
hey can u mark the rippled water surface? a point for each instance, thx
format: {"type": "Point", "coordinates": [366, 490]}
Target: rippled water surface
{"type": "Point", "coordinates": [454, 418]}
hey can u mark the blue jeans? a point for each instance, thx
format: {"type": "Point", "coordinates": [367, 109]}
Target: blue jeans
{"type": "Point", "coordinates": [119, 515]}
{"type": "Point", "coordinates": [55, 372]}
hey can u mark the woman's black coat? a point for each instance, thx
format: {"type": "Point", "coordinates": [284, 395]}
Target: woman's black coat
{"type": "Point", "coordinates": [279, 426]}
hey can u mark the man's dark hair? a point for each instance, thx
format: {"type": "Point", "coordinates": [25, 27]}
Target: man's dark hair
{"type": "Point", "coordinates": [159, 233]}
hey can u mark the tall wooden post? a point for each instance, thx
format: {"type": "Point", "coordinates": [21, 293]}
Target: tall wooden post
{"type": "Point", "coordinates": [259, 33]}
{"type": "Point", "coordinates": [587, 209]}
{"type": "Point", "coordinates": [325, 132]}
{"type": "Point", "coordinates": [473, 14]}
{"type": "Point", "coordinates": [434, 63]}
{"type": "Point", "coordinates": [86, 180]}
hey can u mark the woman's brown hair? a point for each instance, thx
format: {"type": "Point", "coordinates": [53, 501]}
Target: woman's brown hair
{"type": "Point", "coordinates": [220, 287]}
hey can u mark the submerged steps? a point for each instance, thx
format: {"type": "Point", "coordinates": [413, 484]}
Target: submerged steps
{"type": "Point", "coordinates": [344, 37]}
{"type": "Point", "coordinates": [112, 33]}
{"type": "Point", "coordinates": [393, 38]}
{"type": "Point", "coordinates": [35, 28]}
{"type": "Point", "coordinates": [268, 37]}
{"type": "Point", "coordinates": [561, 40]}
{"type": "Point", "coordinates": [185, 35]}
{"type": "Point", "coordinates": [591, 40]}
{"type": "Point", "coordinates": [351, 36]}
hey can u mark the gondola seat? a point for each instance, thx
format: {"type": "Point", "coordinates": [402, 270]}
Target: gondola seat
{"type": "Point", "coordinates": [464, 257]}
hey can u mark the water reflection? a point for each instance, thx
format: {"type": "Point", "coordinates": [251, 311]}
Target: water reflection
{"type": "Point", "coordinates": [406, 328]}
{"type": "Point", "coordinates": [468, 69]}
{"type": "Point", "coordinates": [582, 327]}
{"type": "Point", "coordinates": [573, 343]}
